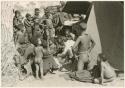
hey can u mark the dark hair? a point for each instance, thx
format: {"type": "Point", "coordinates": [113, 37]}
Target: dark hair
{"type": "Point", "coordinates": [103, 57]}
{"type": "Point", "coordinates": [17, 12]}
{"type": "Point", "coordinates": [36, 9]}
{"type": "Point", "coordinates": [27, 15]}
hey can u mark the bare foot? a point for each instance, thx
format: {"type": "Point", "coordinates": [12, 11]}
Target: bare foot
{"type": "Point", "coordinates": [37, 77]}
{"type": "Point", "coordinates": [21, 78]}
{"type": "Point", "coordinates": [42, 78]}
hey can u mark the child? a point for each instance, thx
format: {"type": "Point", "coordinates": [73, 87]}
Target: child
{"type": "Point", "coordinates": [38, 59]}
{"type": "Point", "coordinates": [107, 71]}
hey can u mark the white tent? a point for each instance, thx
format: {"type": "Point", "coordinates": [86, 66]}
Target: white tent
{"type": "Point", "coordinates": [110, 23]}
{"type": "Point", "coordinates": [105, 25]}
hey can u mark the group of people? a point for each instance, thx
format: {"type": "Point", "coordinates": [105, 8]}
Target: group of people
{"type": "Point", "coordinates": [39, 40]}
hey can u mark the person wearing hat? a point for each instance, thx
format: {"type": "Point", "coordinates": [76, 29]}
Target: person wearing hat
{"type": "Point", "coordinates": [83, 45]}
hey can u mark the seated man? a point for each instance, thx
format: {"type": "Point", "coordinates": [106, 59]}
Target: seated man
{"type": "Point", "coordinates": [67, 53]}
{"type": "Point", "coordinates": [23, 62]}
{"type": "Point", "coordinates": [107, 71]}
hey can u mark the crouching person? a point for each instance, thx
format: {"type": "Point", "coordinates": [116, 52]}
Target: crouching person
{"type": "Point", "coordinates": [38, 59]}
{"type": "Point", "coordinates": [49, 64]}
{"type": "Point", "coordinates": [107, 71]}
{"type": "Point", "coordinates": [23, 65]}
{"type": "Point", "coordinates": [66, 57]}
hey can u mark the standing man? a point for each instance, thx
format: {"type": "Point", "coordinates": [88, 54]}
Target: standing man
{"type": "Point", "coordinates": [36, 13]}
{"type": "Point", "coordinates": [37, 31]}
{"type": "Point", "coordinates": [28, 25]}
{"type": "Point", "coordinates": [85, 44]}
{"type": "Point", "coordinates": [49, 24]}
{"type": "Point", "coordinates": [16, 23]}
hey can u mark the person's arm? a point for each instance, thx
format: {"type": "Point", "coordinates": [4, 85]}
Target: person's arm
{"type": "Point", "coordinates": [15, 24]}
{"type": "Point", "coordinates": [92, 44]}
{"type": "Point", "coordinates": [102, 73]}
{"type": "Point", "coordinates": [16, 38]}
{"type": "Point", "coordinates": [76, 43]}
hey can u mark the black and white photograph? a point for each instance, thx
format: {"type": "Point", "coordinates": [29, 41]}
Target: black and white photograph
{"type": "Point", "coordinates": [62, 44]}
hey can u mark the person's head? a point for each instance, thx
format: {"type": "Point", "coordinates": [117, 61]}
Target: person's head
{"type": "Point", "coordinates": [17, 13]}
{"type": "Point", "coordinates": [20, 18]}
{"type": "Point", "coordinates": [37, 11]}
{"type": "Point", "coordinates": [102, 57]}
{"type": "Point", "coordinates": [28, 17]}
{"type": "Point", "coordinates": [83, 27]}
{"type": "Point", "coordinates": [63, 3]}
{"type": "Point", "coordinates": [59, 8]}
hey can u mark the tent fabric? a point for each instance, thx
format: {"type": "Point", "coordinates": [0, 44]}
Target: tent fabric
{"type": "Point", "coordinates": [110, 24]}
{"type": "Point", "coordinates": [106, 26]}
{"type": "Point", "coordinates": [92, 30]}
{"type": "Point", "coordinates": [80, 7]}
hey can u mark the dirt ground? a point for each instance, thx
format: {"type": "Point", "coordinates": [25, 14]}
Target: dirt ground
{"type": "Point", "coordinates": [61, 79]}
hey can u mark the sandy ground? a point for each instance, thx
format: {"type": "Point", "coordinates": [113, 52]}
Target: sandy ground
{"type": "Point", "coordinates": [61, 79]}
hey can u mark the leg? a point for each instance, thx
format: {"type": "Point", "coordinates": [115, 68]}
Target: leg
{"type": "Point", "coordinates": [70, 53]}
{"type": "Point", "coordinates": [28, 68]}
{"type": "Point", "coordinates": [41, 69]}
{"type": "Point", "coordinates": [83, 58]}
{"type": "Point", "coordinates": [37, 71]}
{"type": "Point", "coordinates": [108, 80]}
{"type": "Point", "coordinates": [19, 71]}
{"type": "Point", "coordinates": [21, 77]}
{"type": "Point", "coordinates": [80, 65]}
